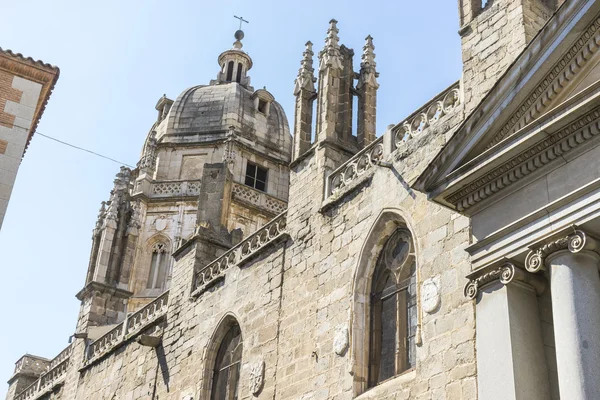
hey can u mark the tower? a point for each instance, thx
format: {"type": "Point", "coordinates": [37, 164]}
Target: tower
{"type": "Point", "coordinates": [493, 33]}
{"type": "Point", "coordinates": [334, 96]}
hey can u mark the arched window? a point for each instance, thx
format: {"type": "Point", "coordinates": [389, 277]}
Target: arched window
{"type": "Point", "coordinates": [238, 77]}
{"type": "Point", "coordinates": [229, 71]}
{"type": "Point", "coordinates": [393, 309]}
{"type": "Point", "coordinates": [227, 366]}
{"type": "Point", "coordinates": [158, 266]}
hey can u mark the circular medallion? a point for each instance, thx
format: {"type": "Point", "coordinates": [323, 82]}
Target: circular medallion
{"type": "Point", "coordinates": [160, 223]}
{"type": "Point", "coordinates": [430, 296]}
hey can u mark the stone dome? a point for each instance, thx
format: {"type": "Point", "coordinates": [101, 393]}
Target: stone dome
{"type": "Point", "coordinates": [206, 113]}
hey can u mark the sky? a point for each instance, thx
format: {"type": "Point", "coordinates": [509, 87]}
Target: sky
{"type": "Point", "coordinates": [117, 58]}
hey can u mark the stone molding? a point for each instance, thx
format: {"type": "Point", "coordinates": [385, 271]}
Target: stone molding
{"type": "Point", "coordinates": [245, 250]}
{"type": "Point", "coordinates": [535, 157]}
{"type": "Point", "coordinates": [553, 83]}
{"type": "Point", "coordinates": [506, 273]}
{"type": "Point", "coordinates": [576, 242]}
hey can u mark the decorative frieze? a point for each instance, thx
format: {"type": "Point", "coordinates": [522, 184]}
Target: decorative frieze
{"type": "Point", "coordinates": [428, 115]}
{"type": "Point", "coordinates": [576, 242]}
{"type": "Point", "coordinates": [354, 168]}
{"type": "Point", "coordinates": [540, 154]}
{"type": "Point", "coordinates": [214, 271]}
{"type": "Point", "coordinates": [505, 274]}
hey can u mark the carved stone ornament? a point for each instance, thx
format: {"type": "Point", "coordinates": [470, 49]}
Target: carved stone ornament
{"type": "Point", "coordinates": [256, 376]}
{"type": "Point", "coordinates": [505, 273]}
{"type": "Point", "coordinates": [430, 295]}
{"type": "Point", "coordinates": [160, 223]}
{"type": "Point", "coordinates": [575, 243]}
{"type": "Point", "coordinates": [341, 340]}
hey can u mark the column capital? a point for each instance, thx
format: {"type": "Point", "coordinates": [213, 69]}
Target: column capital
{"type": "Point", "coordinates": [575, 242]}
{"type": "Point", "coordinates": [505, 272]}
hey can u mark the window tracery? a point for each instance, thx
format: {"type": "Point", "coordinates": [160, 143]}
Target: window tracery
{"type": "Point", "coordinates": [393, 309]}
{"type": "Point", "coordinates": [227, 366]}
{"type": "Point", "coordinates": [158, 266]}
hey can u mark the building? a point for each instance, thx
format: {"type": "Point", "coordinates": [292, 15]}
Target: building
{"type": "Point", "coordinates": [25, 87]}
{"type": "Point", "coordinates": [453, 257]}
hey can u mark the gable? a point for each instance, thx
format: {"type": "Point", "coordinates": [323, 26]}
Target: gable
{"type": "Point", "coordinates": [572, 73]}
{"type": "Point", "coordinates": [559, 68]}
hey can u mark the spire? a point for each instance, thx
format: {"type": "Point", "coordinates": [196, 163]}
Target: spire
{"type": "Point", "coordinates": [368, 73]}
{"type": "Point", "coordinates": [330, 55]}
{"type": "Point", "coordinates": [306, 74]}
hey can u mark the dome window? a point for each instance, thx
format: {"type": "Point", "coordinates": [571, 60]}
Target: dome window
{"type": "Point", "coordinates": [256, 177]}
{"type": "Point", "coordinates": [262, 101]}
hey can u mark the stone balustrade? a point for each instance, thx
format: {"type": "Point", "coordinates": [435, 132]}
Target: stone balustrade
{"type": "Point", "coordinates": [54, 375]}
{"type": "Point", "coordinates": [354, 168]}
{"type": "Point", "coordinates": [215, 271]}
{"type": "Point", "coordinates": [258, 199]}
{"type": "Point", "coordinates": [428, 115]}
{"type": "Point", "coordinates": [175, 188]}
{"type": "Point", "coordinates": [133, 324]}
{"type": "Point", "coordinates": [166, 189]}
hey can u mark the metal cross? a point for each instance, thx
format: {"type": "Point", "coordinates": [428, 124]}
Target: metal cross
{"type": "Point", "coordinates": [241, 20]}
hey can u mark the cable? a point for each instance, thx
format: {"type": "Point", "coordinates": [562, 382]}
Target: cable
{"type": "Point", "coordinates": [80, 148]}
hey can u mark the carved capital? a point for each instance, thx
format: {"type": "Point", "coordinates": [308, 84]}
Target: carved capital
{"type": "Point", "coordinates": [504, 273]}
{"type": "Point", "coordinates": [575, 243]}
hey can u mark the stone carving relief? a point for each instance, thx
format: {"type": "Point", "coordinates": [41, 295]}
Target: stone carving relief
{"type": "Point", "coordinates": [341, 340]}
{"type": "Point", "coordinates": [430, 295]}
{"type": "Point", "coordinates": [256, 376]}
{"type": "Point", "coordinates": [160, 223]}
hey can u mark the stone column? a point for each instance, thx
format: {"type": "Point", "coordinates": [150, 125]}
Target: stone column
{"type": "Point", "coordinates": [573, 263]}
{"type": "Point", "coordinates": [511, 363]}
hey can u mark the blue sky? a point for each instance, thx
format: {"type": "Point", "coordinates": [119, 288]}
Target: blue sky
{"type": "Point", "coordinates": [116, 59]}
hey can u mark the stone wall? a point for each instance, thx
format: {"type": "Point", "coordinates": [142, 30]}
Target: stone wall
{"type": "Point", "coordinates": [299, 294]}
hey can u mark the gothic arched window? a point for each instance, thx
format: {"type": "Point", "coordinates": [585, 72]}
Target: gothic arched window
{"type": "Point", "coordinates": [158, 266]}
{"type": "Point", "coordinates": [227, 366]}
{"type": "Point", "coordinates": [393, 309]}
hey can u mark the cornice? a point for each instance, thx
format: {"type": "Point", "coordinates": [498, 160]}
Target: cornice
{"type": "Point", "coordinates": [553, 83]}
{"type": "Point", "coordinates": [505, 273]}
{"type": "Point", "coordinates": [533, 158]}
{"type": "Point", "coordinates": [38, 71]}
{"type": "Point", "coordinates": [102, 288]}
{"type": "Point", "coordinates": [519, 85]}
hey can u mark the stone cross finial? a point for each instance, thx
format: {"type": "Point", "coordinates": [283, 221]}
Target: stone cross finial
{"type": "Point", "coordinates": [368, 73]}
{"type": "Point", "coordinates": [306, 74]}
{"type": "Point", "coordinates": [330, 55]}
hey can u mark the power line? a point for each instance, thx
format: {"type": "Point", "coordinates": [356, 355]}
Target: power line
{"type": "Point", "coordinates": [82, 149]}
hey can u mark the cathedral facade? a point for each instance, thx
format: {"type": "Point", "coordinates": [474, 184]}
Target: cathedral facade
{"type": "Point", "coordinates": [453, 257]}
